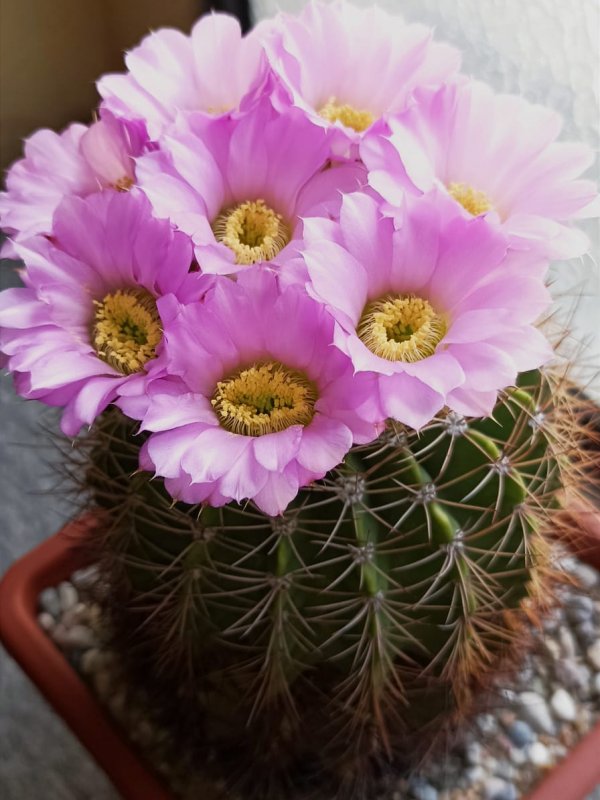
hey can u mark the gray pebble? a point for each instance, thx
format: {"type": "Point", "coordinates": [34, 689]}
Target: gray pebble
{"type": "Point", "coordinates": [579, 608]}
{"type": "Point", "coordinates": [498, 789]}
{"type": "Point", "coordinates": [104, 683]}
{"type": "Point", "coordinates": [587, 633]}
{"type": "Point", "coordinates": [573, 676]}
{"type": "Point", "coordinates": [520, 733]}
{"type": "Point", "coordinates": [563, 705]}
{"type": "Point", "coordinates": [49, 602]}
{"type": "Point", "coordinates": [593, 654]}
{"type": "Point", "coordinates": [505, 770]}
{"type": "Point", "coordinates": [473, 753]}
{"type": "Point", "coordinates": [508, 695]}
{"type": "Point", "coordinates": [596, 684]}
{"type": "Point", "coordinates": [490, 763]}
{"type": "Point", "coordinates": [487, 723]}
{"type": "Point", "coordinates": [536, 712]}
{"type": "Point", "coordinates": [90, 661]}
{"type": "Point", "coordinates": [420, 789]}
{"type": "Point", "coordinates": [518, 756]}
{"type": "Point", "coordinates": [553, 619]}
{"type": "Point", "coordinates": [567, 641]}
{"type": "Point", "coordinates": [525, 675]}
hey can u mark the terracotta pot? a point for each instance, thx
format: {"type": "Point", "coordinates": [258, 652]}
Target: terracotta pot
{"type": "Point", "coordinates": [58, 557]}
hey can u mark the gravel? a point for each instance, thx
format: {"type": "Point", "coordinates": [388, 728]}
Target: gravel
{"type": "Point", "coordinates": [539, 712]}
{"type": "Point", "coordinates": [535, 710]}
{"type": "Point", "coordinates": [520, 733]}
{"type": "Point", "coordinates": [563, 705]}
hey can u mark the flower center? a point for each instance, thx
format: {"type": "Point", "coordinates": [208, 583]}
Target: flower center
{"type": "Point", "coordinates": [124, 184]}
{"type": "Point", "coordinates": [264, 398]}
{"type": "Point", "coordinates": [355, 118]}
{"type": "Point", "coordinates": [401, 328]}
{"type": "Point", "coordinates": [471, 199]}
{"type": "Point", "coordinates": [126, 329]}
{"type": "Point", "coordinates": [252, 230]}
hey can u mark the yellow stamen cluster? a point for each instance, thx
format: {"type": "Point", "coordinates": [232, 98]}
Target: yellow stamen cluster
{"type": "Point", "coordinates": [355, 118]}
{"type": "Point", "coordinates": [124, 184]}
{"type": "Point", "coordinates": [401, 328]}
{"type": "Point", "coordinates": [252, 230]}
{"type": "Point", "coordinates": [474, 201]}
{"type": "Point", "coordinates": [264, 398]}
{"type": "Point", "coordinates": [126, 329]}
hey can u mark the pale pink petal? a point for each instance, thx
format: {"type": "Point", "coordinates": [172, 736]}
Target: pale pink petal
{"type": "Point", "coordinates": [324, 444]}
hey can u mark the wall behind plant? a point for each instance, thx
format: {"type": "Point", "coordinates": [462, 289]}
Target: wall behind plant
{"type": "Point", "coordinates": [549, 51]}
{"type": "Point", "coordinates": [52, 51]}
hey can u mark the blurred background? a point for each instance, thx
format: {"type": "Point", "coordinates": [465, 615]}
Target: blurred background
{"type": "Point", "coordinates": [51, 52]}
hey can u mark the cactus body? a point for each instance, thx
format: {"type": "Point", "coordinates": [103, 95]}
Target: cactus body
{"type": "Point", "coordinates": [319, 645]}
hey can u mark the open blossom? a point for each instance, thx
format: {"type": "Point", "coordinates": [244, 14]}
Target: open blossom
{"type": "Point", "coordinates": [208, 71]}
{"type": "Point", "coordinates": [496, 155]}
{"type": "Point", "coordinates": [86, 321]}
{"type": "Point", "coordinates": [79, 161]}
{"type": "Point", "coordinates": [347, 66]}
{"type": "Point", "coordinates": [240, 186]}
{"type": "Point", "coordinates": [436, 311]}
{"type": "Point", "coordinates": [266, 405]}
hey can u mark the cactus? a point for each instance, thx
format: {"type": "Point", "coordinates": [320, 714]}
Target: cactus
{"type": "Point", "coordinates": [313, 648]}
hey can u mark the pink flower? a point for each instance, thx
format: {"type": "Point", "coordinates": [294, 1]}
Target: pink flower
{"type": "Point", "coordinates": [347, 66]}
{"type": "Point", "coordinates": [496, 155]}
{"type": "Point", "coordinates": [436, 312]}
{"type": "Point", "coordinates": [266, 405]}
{"type": "Point", "coordinates": [241, 186]}
{"type": "Point", "coordinates": [87, 321]}
{"type": "Point", "coordinates": [77, 162]}
{"type": "Point", "coordinates": [209, 71]}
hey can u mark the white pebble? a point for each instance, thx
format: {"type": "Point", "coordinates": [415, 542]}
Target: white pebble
{"type": "Point", "coordinates": [539, 755]}
{"type": "Point", "coordinates": [67, 596]}
{"type": "Point", "coordinates": [77, 615]}
{"type": "Point", "coordinates": [80, 636]}
{"type": "Point", "coordinates": [86, 577]}
{"type": "Point", "coordinates": [563, 705]}
{"type": "Point", "coordinates": [476, 774]}
{"type": "Point", "coordinates": [535, 711]}
{"type": "Point", "coordinates": [593, 654]}
{"type": "Point", "coordinates": [46, 621]}
{"type": "Point", "coordinates": [588, 576]}
{"type": "Point", "coordinates": [76, 637]}
{"type": "Point", "coordinates": [552, 647]}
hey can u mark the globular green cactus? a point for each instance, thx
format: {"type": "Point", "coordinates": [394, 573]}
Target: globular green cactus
{"type": "Point", "coordinates": [313, 648]}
